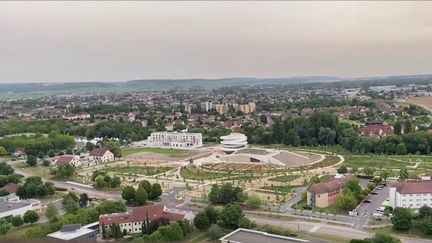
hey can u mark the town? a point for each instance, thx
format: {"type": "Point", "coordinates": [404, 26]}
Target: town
{"type": "Point", "coordinates": [267, 162]}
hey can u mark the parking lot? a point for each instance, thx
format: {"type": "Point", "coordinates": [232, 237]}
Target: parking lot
{"type": "Point", "coordinates": [373, 201]}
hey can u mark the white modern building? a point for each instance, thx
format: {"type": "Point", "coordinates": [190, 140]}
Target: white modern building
{"type": "Point", "coordinates": [233, 141]}
{"type": "Point", "coordinates": [174, 140]}
{"type": "Point", "coordinates": [410, 194]}
{"type": "Point", "coordinates": [11, 206]}
{"type": "Point", "coordinates": [76, 233]}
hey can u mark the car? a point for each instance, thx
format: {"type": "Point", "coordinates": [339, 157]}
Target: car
{"type": "Point", "coordinates": [374, 193]}
{"type": "Point", "coordinates": [381, 209]}
{"type": "Point", "coordinates": [378, 188]}
{"type": "Point", "coordinates": [367, 201]}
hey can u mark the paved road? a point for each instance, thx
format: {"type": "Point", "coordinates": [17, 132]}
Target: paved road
{"type": "Point", "coordinates": [366, 209]}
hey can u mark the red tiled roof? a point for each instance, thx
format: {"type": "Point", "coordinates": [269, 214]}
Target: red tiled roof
{"type": "Point", "coordinates": [138, 214]}
{"type": "Point", "coordinates": [64, 159]}
{"type": "Point", "coordinates": [10, 187]}
{"type": "Point", "coordinates": [413, 187]}
{"type": "Point", "coordinates": [330, 186]}
{"type": "Point", "coordinates": [98, 152]}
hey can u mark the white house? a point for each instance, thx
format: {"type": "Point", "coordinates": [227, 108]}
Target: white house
{"type": "Point", "coordinates": [67, 159]}
{"type": "Point", "coordinates": [411, 194]}
{"type": "Point", "coordinates": [100, 155]}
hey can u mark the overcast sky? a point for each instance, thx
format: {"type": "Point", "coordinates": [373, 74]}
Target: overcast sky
{"type": "Point", "coordinates": [118, 41]}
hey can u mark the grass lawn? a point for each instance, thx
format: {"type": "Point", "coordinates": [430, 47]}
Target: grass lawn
{"type": "Point", "coordinates": [167, 151]}
{"type": "Point", "coordinates": [414, 232]}
{"type": "Point", "coordinates": [285, 178]}
{"type": "Point", "coordinates": [198, 174]}
{"type": "Point", "coordinates": [38, 170]}
{"type": "Point", "coordinates": [142, 170]}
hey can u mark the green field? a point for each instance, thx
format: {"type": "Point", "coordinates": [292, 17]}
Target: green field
{"type": "Point", "coordinates": [142, 170]}
{"type": "Point", "coordinates": [167, 151]}
{"type": "Point", "coordinates": [285, 178]}
{"type": "Point", "coordinates": [282, 189]}
{"type": "Point", "coordinates": [193, 173]}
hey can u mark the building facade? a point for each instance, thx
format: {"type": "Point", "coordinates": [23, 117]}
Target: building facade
{"type": "Point", "coordinates": [233, 142]}
{"type": "Point", "coordinates": [410, 194]}
{"type": "Point", "coordinates": [11, 206]}
{"type": "Point", "coordinates": [131, 222]}
{"type": "Point", "coordinates": [323, 195]}
{"type": "Point", "coordinates": [100, 155]}
{"type": "Point", "coordinates": [175, 140]}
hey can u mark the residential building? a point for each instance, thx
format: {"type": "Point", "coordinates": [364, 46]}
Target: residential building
{"type": "Point", "coordinates": [131, 222]}
{"type": "Point", "coordinates": [76, 232]}
{"type": "Point", "coordinates": [100, 155]}
{"type": "Point", "coordinates": [221, 108]}
{"type": "Point", "coordinates": [247, 108]}
{"type": "Point", "coordinates": [67, 159]}
{"type": "Point", "coordinates": [241, 235]}
{"type": "Point", "coordinates": [174, 140]}
{"type": "Point", "coordinates": [10, 206]}
{"type": "Point", "coordinates": [378, 130]}
{"type": "Point", "coordinates": [323, 195]}
{"type": "Point", "coordinates": [10, 187]}
{"type": "Point", "coordinates": [410, 194]}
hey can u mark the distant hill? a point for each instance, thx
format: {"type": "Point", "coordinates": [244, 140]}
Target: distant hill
{"type": "Point", "coordinates": [40, 89]}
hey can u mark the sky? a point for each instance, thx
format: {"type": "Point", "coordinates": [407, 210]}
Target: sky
{"type": "Point", "coordinates": [118, 41]}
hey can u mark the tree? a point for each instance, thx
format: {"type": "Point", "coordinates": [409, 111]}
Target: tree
{"type": "Point", "coordinates": [128, 193]}
{"type": "Point", "coordinates": [426, 225]}
{"type": "Point", "coordinates": [326, 136]}
{"type": "Point", "coordinates": [17, 221]}
{"type": "Point", "coordinates": [115, 182]}
{"type": "Point", "coordinates": [384, 175]}
{"type": "Point", "coordinates": [65, 171]}
{"type": "Point", "coordinates": [156, 191]}
{"type": "Point", "coordinates": [46, 163]}
{"type": "Point", "coordinates": [30, 216]}
{"type": "Point", "coordinates": [383, 238]}
{"type": "Point", "coordinates": [71, 206]}
{"type": "Point", "coordinates": [201, 221]}
{"type": "Point", "coordinates": [254, 201]}
{"type": "Point", "coordinates": [342, 170]}
{"type": "Point", "coordinates": [212, 214]}
{"type": "Point", "coordinates": [214, 194]}
{"type": "Point", "coordinates": [3, 151]}
{"type": "Point", "coordinates": [106, 207]}
{"type": "Point", "coordinates": [83, 200]}
{"type": "Point", "coordinates": [4, 227]}
{"type": "Point", "coordinates": [346, 201]}
{"type": "Point", "coordinates": [100, 182]}
{"type": "Point", "coordinates": [403, 174]}
{"type": "Point", "coordinates": [354, 187]}
{"type": "Point", "coordinates": [214, 232]}
{"type": "Point", "coordinates": [114, 147]}
{"type": "Point", "coordinates": [51, 153]}
{"type": "Point", "coordinates": [146, 185]}
{"type": "Point", "coordinates": [89, 146]}
{"type": "Point", "coordinates": [171, 232]}
{"type": "Point", "coordinates": [31, 160]}
{"type": "Point", "coordinates": [51, 212]}
{"type": "Point", "coordinates": [231, 215]}
{"type": "Point", "coordinates": [397, 128]}
{"type": "Point", "coordinates": [6, 169]}
{"type": "Point", "coordinates": [245, 223]}
{"type": "Point", "coordinates": [425, 212]}
{"type": "Point", "coordinates": [401, 149]}
{"type": "Point", "coordinates": [141, 196]}
{"type": "Point", "coordinates": [401, 219]}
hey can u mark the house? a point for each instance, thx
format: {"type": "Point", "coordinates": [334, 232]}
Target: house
{"type": "Point", "coordinates": [410, 194]}
{"type": "Point", "coordinates": [131, 221]}
{"type": "Point", "coordinates": [100, 155]}
{"type": "Point", "coordinates": [67, 159]}
{"type": "Point", "coordinates": [20, 151]}
{"type": "Point", "coordinates": [323, 195]}
{"type": "Point", "coordinates": [378, 130]}
{"type": "Point", "coordinates": [76, 233]}
{"type": "Point", "coordinates": [241, 235]}
{"type": "Point", "coordinates": [10, 188]}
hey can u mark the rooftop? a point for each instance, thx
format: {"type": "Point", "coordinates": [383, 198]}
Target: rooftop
{"type": "Point", "coordinates": [413, 187]}
{"type": "Point", "coordinates": [70, 232]}
{"type": "Point", "coordinates": [252, 236]}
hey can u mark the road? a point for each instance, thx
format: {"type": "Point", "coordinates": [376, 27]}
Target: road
{"type": "Point", "coordinates": [366, 209]}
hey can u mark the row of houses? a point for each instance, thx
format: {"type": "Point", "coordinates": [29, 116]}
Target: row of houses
{"type": "Point", "coordinates": [96, 156]}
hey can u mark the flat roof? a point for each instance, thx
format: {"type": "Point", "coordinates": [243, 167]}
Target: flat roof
{"type": "Point", "coordinates": [252, 236]}
{"type": "Point", "coordinates": [70, 235]}
{"type": "Point", "coordinates": [6, 206]}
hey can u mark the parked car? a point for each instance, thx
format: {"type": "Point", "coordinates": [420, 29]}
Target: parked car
{"type": "Point", "coordinates": [367, 201]}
